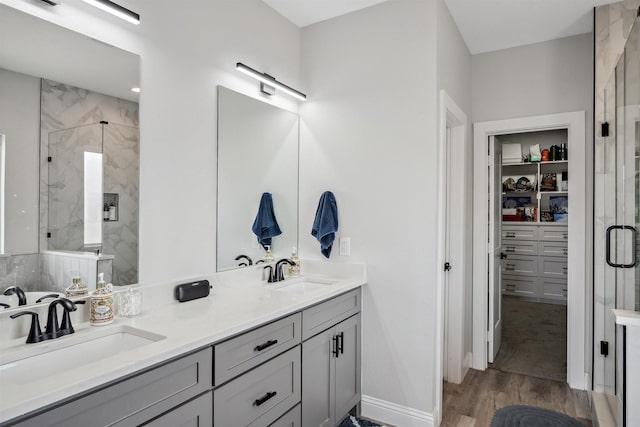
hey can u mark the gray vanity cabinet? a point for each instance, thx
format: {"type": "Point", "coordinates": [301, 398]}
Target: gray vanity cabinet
{"type": "Point", "coordinates": [331, 374]}
{"type": "Point", "coordinates": [138, 399]}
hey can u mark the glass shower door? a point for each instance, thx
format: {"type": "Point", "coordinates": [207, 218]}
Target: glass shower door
{"type": "Point", "coordinates": [617, 211]}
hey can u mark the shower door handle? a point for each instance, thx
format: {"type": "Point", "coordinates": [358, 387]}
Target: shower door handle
{"type": "Point", "coordinates": [634, 257]}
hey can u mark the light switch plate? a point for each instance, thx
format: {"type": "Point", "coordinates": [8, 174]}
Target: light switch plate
{"type": "Point", "coordinates": [345, 246]}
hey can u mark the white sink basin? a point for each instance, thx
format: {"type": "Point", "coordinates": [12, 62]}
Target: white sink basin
{"type": "Point", "coordinates": [302, 286]}
{"type": "Point", "coordinates": [49, 357]}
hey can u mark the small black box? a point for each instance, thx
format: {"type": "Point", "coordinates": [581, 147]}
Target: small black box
{"type": "Point", "coordinates": [193, 290]}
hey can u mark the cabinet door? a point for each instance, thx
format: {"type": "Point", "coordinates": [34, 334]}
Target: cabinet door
{"type": "Point", "coordinates": [197, 413]}
{"type": "Point", "coordinates": [318, 380]}
{"type": "Point", "coordinates": [347, 366]}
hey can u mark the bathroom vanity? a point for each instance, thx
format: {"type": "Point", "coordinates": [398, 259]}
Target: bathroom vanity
{"type": "Point", "coordinates": [285, 354]}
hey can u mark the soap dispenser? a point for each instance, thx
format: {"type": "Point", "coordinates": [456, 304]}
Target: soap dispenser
{"type": "Point", "coordinates": [101, 303]}
{"type": "Point", "coordinates": [268, 257]}
{"type": "Point", "coordinates": [77, 288]}
{"type": "Point", "coordinates": [294, 269]}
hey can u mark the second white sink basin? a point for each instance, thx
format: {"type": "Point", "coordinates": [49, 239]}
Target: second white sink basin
{"type": "Point", "coordinates": [39, 360]}
{"type": "Point", "coordinates": [301, 286]}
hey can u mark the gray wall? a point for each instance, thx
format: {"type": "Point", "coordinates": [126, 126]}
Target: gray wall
{"type": "Point", "coordinates": [20, 122]}
{"type": "Point", "coordinates": [542, 78]}
{"type": "Point", "coordinates": [369, 134]}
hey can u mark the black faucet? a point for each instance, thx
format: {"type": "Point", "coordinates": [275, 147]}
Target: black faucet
{"type": "Point", "coordinates": [22, 298]}
{"type": "Point", "coordinates": [53, 330]}
{"type": "Point", "coordinates": [44, 297]}
{"type": "Point", "coordinates": [35, 333]}
{"type": "Point", "coordinates": [279, 273]}
{"type": "Point", "coordinates": [244, 264]}
{"type": "Point", "coordinates": [271, 277]}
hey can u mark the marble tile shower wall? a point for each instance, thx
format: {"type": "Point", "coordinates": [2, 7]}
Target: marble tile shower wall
{"type": "Point", "coordinates": [121, 177]}
{"type": "Point", "coordinates": [20, 270]}
{"type": "Point", "coordinates": [71, 115]}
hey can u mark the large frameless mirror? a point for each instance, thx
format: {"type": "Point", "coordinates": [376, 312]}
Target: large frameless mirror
{"type": "Point", "coordinates": [257, 180]}
{"type": "Point", "coordinates": [71, 154]}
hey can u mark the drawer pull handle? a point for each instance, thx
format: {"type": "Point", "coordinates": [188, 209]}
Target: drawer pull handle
{"type": "Point", "coordinates": [565, 236]}
{"type": "Point", "coordinates": [510, 249]}
{"type": "Point", "coordinates": [264, 398]}
{"type": "Point", "coordinates": [266, 345]}
{"type": "Point", "coordinates": [510, 234]}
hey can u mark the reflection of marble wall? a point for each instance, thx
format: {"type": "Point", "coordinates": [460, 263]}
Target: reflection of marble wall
{"type": "Point", "coordinates": [20, 270]}
{"type": "Point", "coordinates": [121, 176]}
{"type": "Point", "coordinates": [65, 107]}
{"type": "Point", "coordinates": [57, 269]}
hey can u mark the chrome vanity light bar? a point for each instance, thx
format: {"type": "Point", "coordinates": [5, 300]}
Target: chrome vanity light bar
{"type": "Point", "coordinates": [116, 9]}
{"type": "Point", "coordinates": [269, 81]}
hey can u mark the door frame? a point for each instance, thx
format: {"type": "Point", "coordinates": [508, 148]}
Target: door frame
{"type": "Point", "coordinates": [574, 122]}
{"type": "Point", "coordinates": [453, 127]}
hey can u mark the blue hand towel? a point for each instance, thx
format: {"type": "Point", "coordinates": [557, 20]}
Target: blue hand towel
{"type": "Point", "coordinates": [326, 223]}
{"type": "Point", "coordinates": [265, 225]}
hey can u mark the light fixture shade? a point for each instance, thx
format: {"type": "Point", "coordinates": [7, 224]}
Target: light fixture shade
{"type": "Point", "coordinates": [116, 9]}
{"type": "Point", "coordinates": [270, 81]}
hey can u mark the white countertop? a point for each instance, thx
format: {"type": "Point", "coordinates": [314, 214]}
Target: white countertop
{"type": "Point", "coordinates": [627, 318]}
{"type": "Point", "coordinates": [235, 305]}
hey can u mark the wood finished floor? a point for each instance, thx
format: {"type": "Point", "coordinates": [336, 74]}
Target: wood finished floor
{"type": "Point", "coordinates": [473, 403]}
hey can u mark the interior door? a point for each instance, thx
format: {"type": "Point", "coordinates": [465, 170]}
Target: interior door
{"type": "Point", "coordinates": [495, 249]}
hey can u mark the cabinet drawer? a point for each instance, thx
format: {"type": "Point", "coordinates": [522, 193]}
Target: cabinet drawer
{"type": "Point", "coordinates": [522, 247]}
{"type": "Point", "coordinates": [520, 265]}
{"type": "Point", "coordinates": [137, 399]}
{"type": "Point", "coordinates": [553, 289]}
{"type": "Point", "coordinates": [559, 249]}
{"type": "Point", "coordinates": [553, 267]}
{"type": "Point", "coordinates": [520, 286]}
{"type": "Point", "coordinates": [554, 234]}
{"type": "Point", "coordinates": [525, 232]}
{"type": "Point", "coordinates": [195, 413]}
{"type": "Point", "coordinates": [324, 315]}
{"type": "Point", "coordinates": [239, 354]}
{"type": "Point", "coordinates": [260, 396]}
{"type": "Point", "coordinates": [290, 419]}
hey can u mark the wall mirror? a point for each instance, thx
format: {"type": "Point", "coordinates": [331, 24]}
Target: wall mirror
{"type": "Point", "coordinates": [70, 160]}
{"type": "Point", "coordinates": [257, 154]}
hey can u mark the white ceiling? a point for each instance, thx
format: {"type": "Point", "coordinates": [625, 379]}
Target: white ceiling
{"type": "Point", "coordinates": [307, 12]}
{"type": "Point", "coordinates": [38, 48]}
{"type": "Point", "coordinates": [486, 25]}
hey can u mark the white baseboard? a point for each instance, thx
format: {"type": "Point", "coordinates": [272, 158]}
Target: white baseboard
{"type": "Point", "coordinates": [397, 415]}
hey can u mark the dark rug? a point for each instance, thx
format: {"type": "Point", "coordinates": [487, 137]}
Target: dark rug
{"type": "Point", "coordinates": [529, 416]}
{"type": "Point", "coordinates": [358, 422]}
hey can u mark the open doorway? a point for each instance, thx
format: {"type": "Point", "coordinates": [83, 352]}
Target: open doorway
{"type": "Point", "coordinates": [528, 254]}
{"type": "Point", "coordinates": [529, 196]}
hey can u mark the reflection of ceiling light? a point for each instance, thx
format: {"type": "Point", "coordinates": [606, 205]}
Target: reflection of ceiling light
{"type": "Point", "coordinates": [269, 82]}
{"type": "Point", "coordinates": [135, 89]}
{"type": "Point", "coordinates": [116, 9]}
